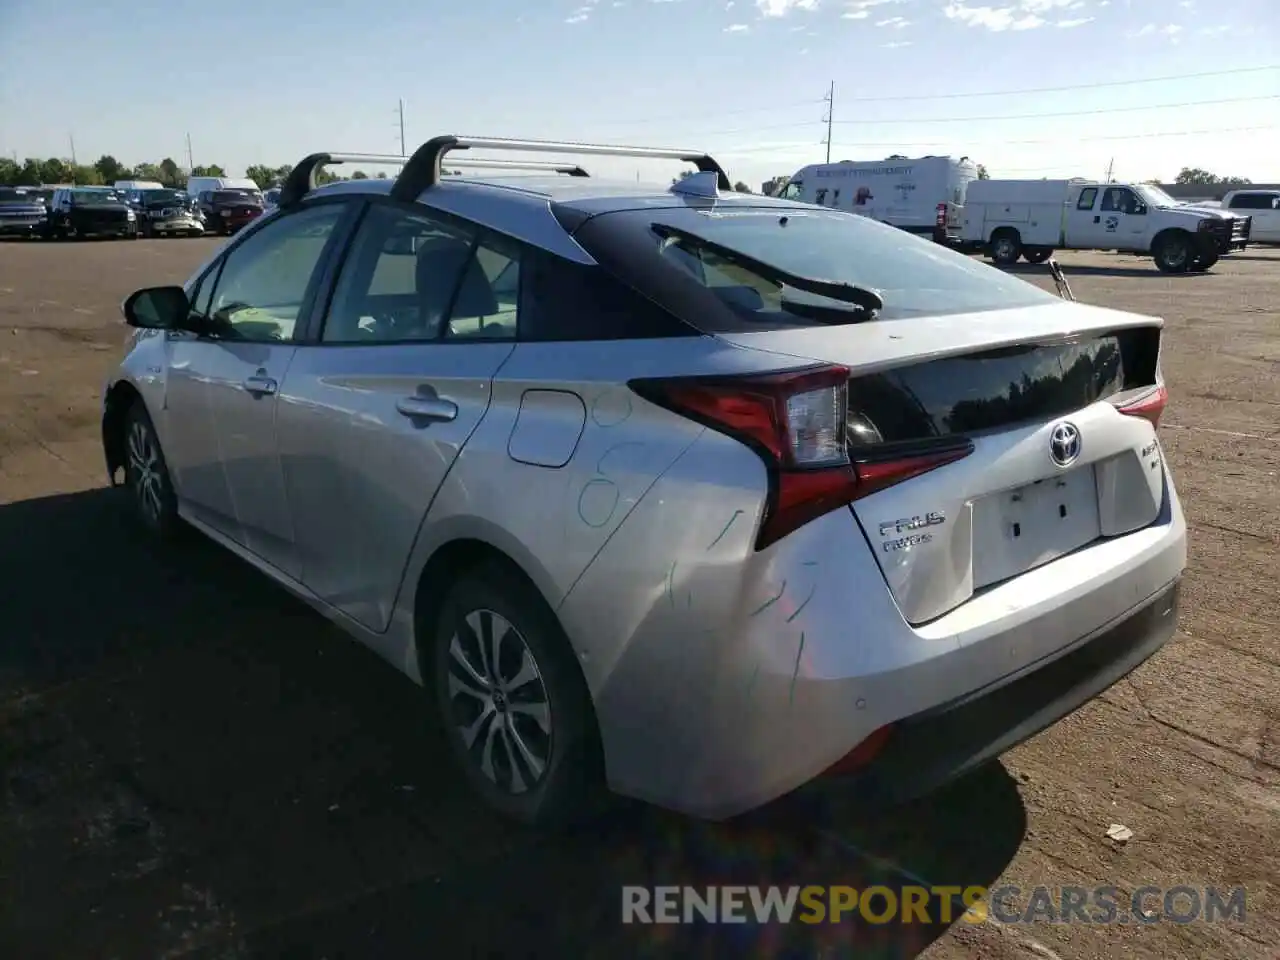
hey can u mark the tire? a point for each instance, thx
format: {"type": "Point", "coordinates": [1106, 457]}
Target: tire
{"type": "Point", "coordinates": [154, 504]}
{"type": "Point", "coordinates": [1173, 253]}
{"type": "Point", "coordinates": [563, 782]}
{"type": "Point", "coordinates": [1006, 247]}
{"type": "Point", "coordinates": [1037, 254]}
{"type": "Point", "coordinates": [1203, 262]}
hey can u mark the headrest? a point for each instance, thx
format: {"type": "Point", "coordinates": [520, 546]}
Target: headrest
{"type": "Point", "coordinates": [437, 273]}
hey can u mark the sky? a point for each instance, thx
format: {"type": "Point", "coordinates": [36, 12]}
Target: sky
{"type": "Point", "coordinates": [1029, 88]}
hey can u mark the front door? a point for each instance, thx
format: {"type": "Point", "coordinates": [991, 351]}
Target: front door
{"type": "Point", "coordinates": [1084, 226]}
{"type": "Point", "coordinates": [374, 412]}
{"type": "Point", "coordinates": [226, 385]}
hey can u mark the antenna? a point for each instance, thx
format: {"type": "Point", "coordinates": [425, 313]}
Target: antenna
{"type": "Point", "coordinates": [830, 100]}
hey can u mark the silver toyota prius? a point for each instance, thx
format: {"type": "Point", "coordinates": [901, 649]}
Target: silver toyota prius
{"type": "Point", "coordinates": [693, 496]}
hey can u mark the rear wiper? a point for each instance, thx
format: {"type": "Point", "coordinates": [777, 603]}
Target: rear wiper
{"type": "Point", "coordinates": [862, 297]}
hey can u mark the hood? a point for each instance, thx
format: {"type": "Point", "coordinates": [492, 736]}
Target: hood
{"type": "Point", "coordinates": [1203, 213]}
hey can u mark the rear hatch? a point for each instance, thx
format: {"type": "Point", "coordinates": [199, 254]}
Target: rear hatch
{"type": "Point", "coordinates": [1053, 464]}
{"type": "Point", "coordinates": [1032, 419]}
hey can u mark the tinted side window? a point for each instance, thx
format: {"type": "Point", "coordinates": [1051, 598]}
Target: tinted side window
{"type": "Point", "coordinates": [399, 280]}
{"type": "Point", "coordinates": [1087, 196]}
{"type": "Point", "coordinates": [569, 301]}
{"type": "Point", "coordinates": [265, 280]}
{"type": "Point", "coordinates": [1252, 201]}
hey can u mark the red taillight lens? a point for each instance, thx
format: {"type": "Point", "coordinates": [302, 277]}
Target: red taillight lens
{"type": "Point", "coordinates": [942, 215]}
{"type": "Point", "coordinates": [796, 421]}
{"type": "Point", "coordinates": [1149, 407]}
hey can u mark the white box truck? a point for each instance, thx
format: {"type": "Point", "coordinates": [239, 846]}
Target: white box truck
{"type": "Point", "coordinates": [1032, 218]}
{"type": "Point", "coordinates": [923, 196]}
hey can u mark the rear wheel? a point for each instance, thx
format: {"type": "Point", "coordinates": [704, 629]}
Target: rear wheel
{"type": "Point", "coordinates": [1173, 253]}
{"type": "Point", "coordinates": [513, 702]}
{"type": "Point", "coordinates": [1006, 247]}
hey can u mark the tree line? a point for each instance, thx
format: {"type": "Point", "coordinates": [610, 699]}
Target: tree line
{"type": "Point", "coordinates": [106, 170]}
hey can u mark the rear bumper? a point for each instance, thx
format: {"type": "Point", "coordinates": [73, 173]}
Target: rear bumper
{"type": "Point", "coordinates": [932, 748]}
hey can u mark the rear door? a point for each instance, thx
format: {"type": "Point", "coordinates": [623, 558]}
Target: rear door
{"type": "Point", "coordinates": [378, 403]}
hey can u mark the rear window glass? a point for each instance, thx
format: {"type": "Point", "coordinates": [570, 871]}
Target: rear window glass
{"type": "Point", "coordinates": [914, 277]}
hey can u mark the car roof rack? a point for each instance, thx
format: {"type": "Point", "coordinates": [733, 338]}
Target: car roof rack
{"type": "Point", "coordinates": [423, 170]}
{"type": "Point", "coordinates": [302, 178]}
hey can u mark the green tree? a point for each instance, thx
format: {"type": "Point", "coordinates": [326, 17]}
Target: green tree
{"type": "Point", "coordinates": [54, 170]}
{"type": "Point", "coordinates": [32, 173]}
{"type": "Point", "coordinates": [741, 187]}
{"type": "Point", "coordinates": [9, 171]}
{"type": "Point", "coordinates": [208, 170]}
{"type": "Point", "coordinates": [982, 172]}
{"type": "Point", "coordinates": [171, 174]}
{"type": "Point", "coordinates": [380, 175]}
{"type": "Point", "coordinates": [261, 174]}
{"type": "Point", "coordinates": [86, 176]}
{"type": "Point", "coordinates": [359, 175]}
{"type": "Point", "coordinates": [110, 169]}
{"type": "Point", "coordinates": [1205, 178]}
{"type": "Point", "coordinates": [149, 171]}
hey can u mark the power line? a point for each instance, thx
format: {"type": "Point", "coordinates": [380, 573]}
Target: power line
{"type": "Point", "coordinates": [1073, 113]}
{"type": "Point", "coordinates": [675, 118]}
{"type": "Point", "coordinates": [773, 147]}
{"type": "Point", "coordinates": [1074, 86]}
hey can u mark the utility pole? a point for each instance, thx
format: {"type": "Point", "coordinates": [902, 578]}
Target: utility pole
{"type": "Point", "coordinates": [72, 141]}
{"type": "Point", "coordinates": [1110, 167]}
{"type": "Point", "coordinates": [830, 99]}
{"type": "Point", "coordinates": [191, 164]}
{"type": "Point", "coordinates": [402, 150]}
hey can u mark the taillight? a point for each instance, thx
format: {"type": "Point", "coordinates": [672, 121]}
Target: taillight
{"type": "Point", "coordinates": [942, 215]}
{"type": "Point", "coordinates": [1149, 407]}
{"type": "Point", "coordinates": [796, 422]}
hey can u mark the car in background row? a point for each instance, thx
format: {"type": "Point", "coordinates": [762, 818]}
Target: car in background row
{"type": "Point", "coordinates": [22, 212]}
{"type": "Point", "coordinates": [79, 212]}
{"type": "Point", "coordinates": [226, 211]}
{"type": "Point", "coordinates": [1263, 206]}
{"type": "Point", "coordinates": [165, 212]}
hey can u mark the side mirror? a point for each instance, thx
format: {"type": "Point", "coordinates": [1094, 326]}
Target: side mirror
{"type": "Point", "coordinates": [157, 308]}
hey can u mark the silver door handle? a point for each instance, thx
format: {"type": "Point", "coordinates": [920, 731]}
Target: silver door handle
{"type": "Point", "coordinates": [262, 385]}
{"type": "Point", "coordinates": [427, 408]}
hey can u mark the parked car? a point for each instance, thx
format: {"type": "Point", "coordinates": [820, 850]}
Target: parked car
{"type": "Point", "coordinates": [226, 211]}
{"type": "Point", "coordinates": [80, 212]}
{"type": "Point", "coordinates": [699, 495]}
{"type": "Point", "coordinates": [1262, 206]}
{"type": "Point", "coordinates": [167, 212]}
{"type": "Point", "coordinates": [22, 212]}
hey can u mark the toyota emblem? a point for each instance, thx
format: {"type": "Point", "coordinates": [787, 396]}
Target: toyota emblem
{"type": "Point", "coordinates": [1064, 444]}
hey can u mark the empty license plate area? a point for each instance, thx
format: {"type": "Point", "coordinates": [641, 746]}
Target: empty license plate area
{"type": "Point", "coordinates": [1016, 530]}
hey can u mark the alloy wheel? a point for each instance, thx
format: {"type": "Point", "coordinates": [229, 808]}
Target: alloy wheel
{"type": "Point", "coordinates": [498, 702]}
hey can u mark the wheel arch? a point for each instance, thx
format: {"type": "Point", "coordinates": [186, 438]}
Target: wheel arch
{"type": "Point", "coordinates": [119, 399]}
{"type": "Point", "coordinates": [1168, 232]}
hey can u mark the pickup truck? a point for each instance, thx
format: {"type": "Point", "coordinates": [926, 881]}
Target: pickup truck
{"type": "Point", "coordinates": [1033, 218]}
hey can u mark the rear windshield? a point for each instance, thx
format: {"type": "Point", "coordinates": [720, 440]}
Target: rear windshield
{"type": "Point", "coordinates": [913, 277]}
{"type": "Point", "coordinates": [9, 195]}
{"type": "Point", "coordinates": [231, 196]}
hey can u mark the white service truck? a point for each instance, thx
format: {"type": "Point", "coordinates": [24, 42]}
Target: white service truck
{"type": "Point", "coordinates": [923, 196]}
{"type": "Point", "coordinates": [1032, 218]}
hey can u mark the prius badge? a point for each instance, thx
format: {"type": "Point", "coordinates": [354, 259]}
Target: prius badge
{"type": "Point", "coordinates": [1064, 443]}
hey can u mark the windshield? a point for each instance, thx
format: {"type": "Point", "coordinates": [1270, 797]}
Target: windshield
{"type": "Point", "coordinates": [95, 196]}
{"type": "Point", "coordinates": [231, 196]}
{"type": "Point", "coordinates": [162, 196]}
{"type": "Point", "coordinates": [1155, 196]}
{"type": "Point", "coordinates": [792, 190]}
{"type": "Point", "coordinates": [912, 277]}
{"type": "Point", "coordinates": [9, 195]}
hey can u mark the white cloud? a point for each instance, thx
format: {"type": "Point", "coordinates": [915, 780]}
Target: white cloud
{"type": "Point", "coordinates": [1068, 24]}
{"type": "Point", "coordinates": [736, 28]}
{"type": "Point", "coordinates": [895, 23]}
{"type": "Point", "coordinates": [771, 9]}
{"type": "Point", "coordinates": [579, 16]}
{"type": "Point", "coordinates": [896, 44]}
{"type": "Point", "coordinates": [855, 15]}
{"type": "Point", "coordinates": [1217, 31]}
{"type": "Point", "coordinates": [1017, 15]}
{"type": "Point", "coordinates": [1169, 31]}
{"type": "Point", "coordinates": [729, 5]}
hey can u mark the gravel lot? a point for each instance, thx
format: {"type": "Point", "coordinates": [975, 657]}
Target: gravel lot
{"type": "Point", "coordinates": [192, 763]}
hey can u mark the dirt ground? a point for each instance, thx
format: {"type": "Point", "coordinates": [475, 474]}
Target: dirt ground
{"type": "Point", "coordinates": [193, 764]}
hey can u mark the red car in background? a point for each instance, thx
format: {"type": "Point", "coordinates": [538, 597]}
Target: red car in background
{"type": "Point", "coordinates": [226, 211]}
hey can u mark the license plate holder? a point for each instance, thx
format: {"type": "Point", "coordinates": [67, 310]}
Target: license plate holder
{"type": "Point", "coordinates": [1017, 530]}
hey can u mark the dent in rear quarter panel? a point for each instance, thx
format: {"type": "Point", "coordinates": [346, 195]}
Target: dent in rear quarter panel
{"type": "Point", "coordinates": [723, 676]}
